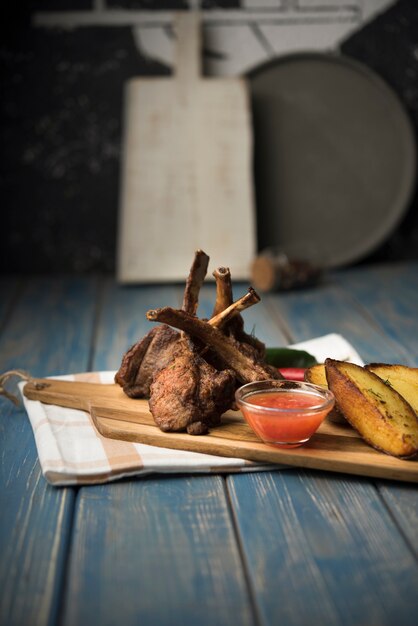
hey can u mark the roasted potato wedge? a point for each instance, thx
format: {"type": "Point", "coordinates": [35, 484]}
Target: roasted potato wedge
{"type": "Point", "coordinates": [317, 376]}
{"type": "Point", "coordinates": [402, 378]}
{"type": "Point", "coordinates": [379, 413]}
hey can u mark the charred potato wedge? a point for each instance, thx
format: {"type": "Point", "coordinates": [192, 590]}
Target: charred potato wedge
{"type": "Point", "coordinates": [379, 413]}
{"type": "Point", "coordinates": [317, 376]}
{"type": "Point", "coordinates": [402, 378]}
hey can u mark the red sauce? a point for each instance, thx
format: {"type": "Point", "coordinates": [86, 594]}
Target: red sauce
{"type": "Point", "coordinates": [287, 427]}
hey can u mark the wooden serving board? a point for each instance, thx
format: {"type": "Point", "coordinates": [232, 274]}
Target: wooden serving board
{"type": "Point", "coordinates": [334, 447]}
{"type": "Point", "coordinates": [186, 170]}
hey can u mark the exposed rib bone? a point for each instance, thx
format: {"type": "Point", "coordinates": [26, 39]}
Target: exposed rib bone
{"type": "Point", "coordinates": [224, 297]}
{"type": "Point", "coordinates": [222, 318]}
{"type": "Point", "coordinates": [194, 282]}
{"type": "Point", "coordinates": [153, 351]}
{"type": "Point", "coordinates": [246, 368]}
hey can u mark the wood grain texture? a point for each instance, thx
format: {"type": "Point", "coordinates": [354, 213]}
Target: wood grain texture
{"type": "Point", "coordinates": [334, 447]}
{"type": "Point", "coordinates": [87, 396]}
{"type": "Point", "coordinates": [330, 308]}
{"type": "Point", "coordinates": [49, 331]}
{"type": "Point", "coordinates": [402, 502]}
{"type": "Point", "coordinates": [375, 309]}
{"type": "Point", "coordinates": [389, 293]}
{"type": "Point", "coordinates": [186, 174]}
{"type": "Point", "coordinates": [322, 550]}
{"type": "Point", "coordinates": [122, 322]}
{"type": "Point", "coordinates": [156, 552]}
{"type": "Point", "coordinates": [318, 548]}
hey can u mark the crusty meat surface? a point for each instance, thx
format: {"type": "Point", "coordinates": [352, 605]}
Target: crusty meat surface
{"type": "Point", "coordinates": [154, 350]}
{"type": "Point", "coordinates": [189, 394]}
{"type": "Point", "coordinates": [246, 367]}
{"type": "Point", "coordinates": [145, 357]}
{"type": "Point", "coordinates": [190, 376]}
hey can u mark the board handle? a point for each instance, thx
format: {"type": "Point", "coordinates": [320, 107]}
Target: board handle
{"type": "Point", "coordinates": [187, 26]}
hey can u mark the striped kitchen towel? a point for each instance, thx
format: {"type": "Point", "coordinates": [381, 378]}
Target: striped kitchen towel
{"type": "Point", "coordinates": [72, 452]}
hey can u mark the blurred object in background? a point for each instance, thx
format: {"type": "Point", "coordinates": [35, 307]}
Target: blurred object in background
{"type": "Point", "coordinates": [275, 270]}
{"type": "Point", "coordinates": [63, 66]}
{"type": "Point", "coordinates": [187, 169]}
{"type": "Point", "coordinates": [388, 44]}
{"type": "Point", "coordinates": [334, 157]}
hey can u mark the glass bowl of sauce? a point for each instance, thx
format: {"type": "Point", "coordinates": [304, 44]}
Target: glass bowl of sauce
{"type": "Point", "coordinates": [284, 413]}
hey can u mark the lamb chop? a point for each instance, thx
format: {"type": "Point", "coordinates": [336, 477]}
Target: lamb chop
{"type": "Point", "coordinates": [155, 349]}
{"type": "Point", "coordinates": [186, 391]}
{"type": "Point", "coordinates": [234, 328]}
{"type": "Point", "coordinates": [247, 368]}
{"type": "Point", "coordinates": [189, 393]}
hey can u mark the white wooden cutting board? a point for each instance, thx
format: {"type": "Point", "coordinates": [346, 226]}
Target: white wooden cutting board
{"type": "Point", "coordinates": [187, 170]}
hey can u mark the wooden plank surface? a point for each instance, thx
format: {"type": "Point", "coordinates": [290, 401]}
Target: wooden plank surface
{"type": "Point", "coordinates": [317, 548]}
{"type": "Point", "coordinates": [330, 308]}
{"type": "Point", "coordinates": [402, 501]}
{"type": "Point", "coordinates": [333, 448]}
{"type": "Point", "coordinates": [156, 552]}
{"type": "Point", "coordinates": [389, 293]}
{"type": "Point", "coordinates": [122, 320]}
{"type": "Point", "coordinates": [48, 331]}
{"type": "Point", "coordinates": [373, 307]}
{"type": "Point", "coordinates": [322, 550]}
{"type": "Point", "coordinates": [337, 594]}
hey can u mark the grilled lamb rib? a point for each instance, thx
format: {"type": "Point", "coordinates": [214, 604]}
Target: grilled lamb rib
{"type": "Point", "coordinates": [189, 394]}
{"type": "Point", "coordinates": [248, 344]}
{"type": "Point", "coordinates": [191, 375]}
{"type": "Point", "coordinates": [154, 350]}
{"type": "Point", "coordinates": [247, 368]}
{"type": "Point", "coordinates": [139, 364]}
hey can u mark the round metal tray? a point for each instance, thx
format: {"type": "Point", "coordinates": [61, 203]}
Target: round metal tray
{"type": "Point", "coordinates": [334, 157]}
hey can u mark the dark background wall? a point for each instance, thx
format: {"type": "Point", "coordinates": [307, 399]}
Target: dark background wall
{"type": "Point", "coordinates": [61, 114]}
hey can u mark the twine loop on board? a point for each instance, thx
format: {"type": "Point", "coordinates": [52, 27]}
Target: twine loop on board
{"type": "Point", "coordinates": [5, 377]}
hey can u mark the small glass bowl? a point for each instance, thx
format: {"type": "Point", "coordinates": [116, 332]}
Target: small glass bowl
{"type": "Point", "coordinates": [284, 413]}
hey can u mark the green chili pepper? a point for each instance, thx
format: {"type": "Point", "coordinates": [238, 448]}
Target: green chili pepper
{"type": "Point", "coordinates": [289, 357]}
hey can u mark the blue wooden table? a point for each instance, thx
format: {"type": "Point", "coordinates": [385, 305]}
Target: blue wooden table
{"type": "Point", "coordinates": [279, 547]}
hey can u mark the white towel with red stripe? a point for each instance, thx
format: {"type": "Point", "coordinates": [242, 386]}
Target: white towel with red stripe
{"type": "Point", "coordinates": [72, 452]}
